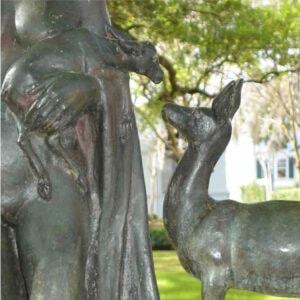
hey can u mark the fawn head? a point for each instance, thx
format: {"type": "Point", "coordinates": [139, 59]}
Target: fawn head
{"type": "Point", "coordinates": [207, 126]}
{"type": "Point", "coordinates": [144, 59]}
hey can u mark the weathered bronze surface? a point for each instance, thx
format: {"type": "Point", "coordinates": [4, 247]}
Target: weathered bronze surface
{"type": "Point", "coordinates": [225, 243]}
{"type": "Point", "coordinates": [66, 101]}
{"type": "Point", "coordinates": [61, 74]}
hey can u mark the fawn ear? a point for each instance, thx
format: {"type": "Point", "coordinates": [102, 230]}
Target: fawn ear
{"type": "Point", "coordinates": [227, 101]}
{"type": "Point", "coordinates": [131, 47]}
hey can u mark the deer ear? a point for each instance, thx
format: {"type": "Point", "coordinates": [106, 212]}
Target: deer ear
{"type": "Point", "coordinates": [227, 101]}
{"type": "Point", "coordinates": [131, 47]}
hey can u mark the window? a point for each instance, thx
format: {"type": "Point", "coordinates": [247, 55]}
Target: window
{"type": "Point", "coordinates": [259, 170]}
{"type": "Point", "coordinates": [281, 168]}
{"type": "Point", "coordinates": [291, 167]}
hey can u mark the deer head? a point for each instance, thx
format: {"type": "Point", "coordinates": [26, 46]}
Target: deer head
{"type": "Point", "coordinates": [151, 66]}
{"type": "Point", "coordinates": [205, 127]}
{"type": "Point", "coordinates": [144, 59]}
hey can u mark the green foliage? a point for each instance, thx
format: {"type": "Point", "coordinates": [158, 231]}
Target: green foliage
{"type": "Point", "coordinates": [175, 284]}
{"type": "Point", "coordinates": [208, 31]}
{"type": "Point", "coordinates": [154, 218]}
{"type": "Point", "coordinates": [159, 239]}
{"type": "Point", "coordinates": [199, 41]}
{"type": "Point", "coordinates": [253, 192]}
{"type": "Point", "coordinates": [291, 193]}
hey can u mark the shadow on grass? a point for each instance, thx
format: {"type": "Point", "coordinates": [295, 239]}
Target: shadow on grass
{"type": "Point", "coordinates": [175, 284]}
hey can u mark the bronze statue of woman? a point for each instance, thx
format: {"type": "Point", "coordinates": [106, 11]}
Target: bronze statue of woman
{"type": "Point", "coordinates": [46, 243]}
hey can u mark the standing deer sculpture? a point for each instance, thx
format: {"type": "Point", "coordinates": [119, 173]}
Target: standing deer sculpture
{"type": "Point", "coordinates": [226, 244]}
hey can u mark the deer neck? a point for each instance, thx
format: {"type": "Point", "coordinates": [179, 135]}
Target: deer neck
{"type": "Point", "coordinates": [187, 200]}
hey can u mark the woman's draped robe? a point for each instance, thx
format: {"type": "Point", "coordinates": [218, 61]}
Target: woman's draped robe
{"type": "Point", "coordinates": [125, 260]}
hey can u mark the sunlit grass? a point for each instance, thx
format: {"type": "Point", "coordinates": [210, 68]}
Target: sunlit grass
{"type": "Point", "coordinates": [175, 284]}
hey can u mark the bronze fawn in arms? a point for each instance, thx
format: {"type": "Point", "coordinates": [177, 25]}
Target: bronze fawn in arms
{"type": "Point", "coordinates": [61, 74]}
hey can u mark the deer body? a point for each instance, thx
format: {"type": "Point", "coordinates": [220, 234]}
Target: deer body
{"type": "Point", "coordinates": [225, 243]}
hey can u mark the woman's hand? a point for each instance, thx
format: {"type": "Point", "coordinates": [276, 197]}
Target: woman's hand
{"type": "Point", "coordinates": [60, 100]}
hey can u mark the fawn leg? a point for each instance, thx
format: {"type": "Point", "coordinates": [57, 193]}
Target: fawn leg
{"type": "Point", "coordinates": [86, 134]}
{"type": "Point", "coordinates": [87, 138]}
{"type": "Point", "coordinates": [53, 141]}
{"type": "Point", "coordinates": [44, 185]}
{"type": "Point", "coordinates": [213, 293]}
{"type": "Point", "coordinates": [213, 289]}
{"type": "Point", "coordinates": [94, 200]}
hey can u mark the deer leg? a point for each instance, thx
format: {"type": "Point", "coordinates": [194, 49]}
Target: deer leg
{"type": "Point", "coordinates": [213, 293]}
{"type": "Point", "coordinates": [53, 141]}
{"type": "Point", "coordinates": [44, 185]}
{"type": "Point", "coordinates": [94, 200]}
{"type": "Point", "coordinates": [86, 134]}
{"type": "Point", "coordinates": [213, 289]}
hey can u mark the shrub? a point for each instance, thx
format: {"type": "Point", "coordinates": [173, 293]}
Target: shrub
{"type": "Point", "coordinates": [291, 193]}
{"type": "Point", "coordinates": [153, 217]}
{"type": "Point", "coordinates": [253, 192]}
{"type": "Point", "coordinates": [159, 239]}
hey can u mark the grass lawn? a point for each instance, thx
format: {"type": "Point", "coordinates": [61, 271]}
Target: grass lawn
{"type": "Point", "coordinates": [175, 284]}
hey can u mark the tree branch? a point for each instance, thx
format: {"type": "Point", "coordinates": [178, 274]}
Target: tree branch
{"type": "Point", "coordinates": [206, 12]}
{"type": "Point", "coordinates": [133, 26]}
{"type": "Point", "coordinates": [269, 75]}
{"type": "Point", "coordinates": [175, 87]}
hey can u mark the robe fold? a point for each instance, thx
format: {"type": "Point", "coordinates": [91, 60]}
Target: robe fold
{"type": "Point", "coordinates": [125, 260]}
